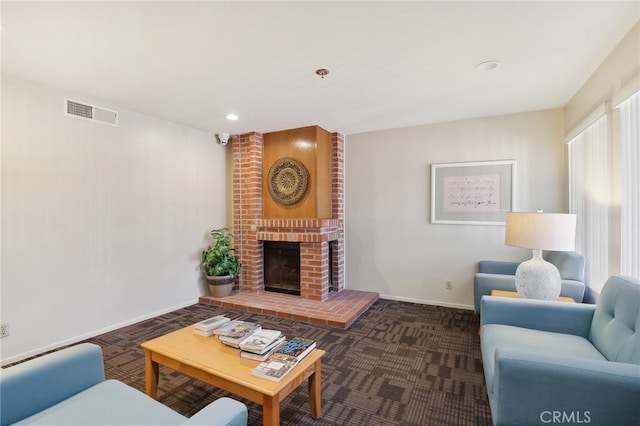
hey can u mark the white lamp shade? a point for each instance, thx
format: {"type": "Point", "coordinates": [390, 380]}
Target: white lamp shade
{"type": "Point", "coordinates": [541, 231]}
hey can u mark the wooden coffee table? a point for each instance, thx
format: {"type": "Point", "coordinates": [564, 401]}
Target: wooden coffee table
{"type": "Point", "coordinates": [206, 359]}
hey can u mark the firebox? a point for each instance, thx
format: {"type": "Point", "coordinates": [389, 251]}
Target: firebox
{"type": "Point", "coordinates": [282, 267]}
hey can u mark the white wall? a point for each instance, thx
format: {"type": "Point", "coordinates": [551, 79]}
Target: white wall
{"type": "Point", "coordinates": [101, 225]}
{"type": "Point", "coordinates": [391, 246]}
{"type": "Point", "coordinates": [620, 67]}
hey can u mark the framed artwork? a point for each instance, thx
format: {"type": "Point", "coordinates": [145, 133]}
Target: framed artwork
{"type": "Point", "coordinates": [474, 193]}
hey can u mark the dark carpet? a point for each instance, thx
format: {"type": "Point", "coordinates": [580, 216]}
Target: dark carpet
{"type": "Point", "coordinates": [398, 364]}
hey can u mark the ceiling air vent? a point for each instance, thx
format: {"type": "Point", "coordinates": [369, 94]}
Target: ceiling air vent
{"type": "Point", "coordinates": [90, 112]}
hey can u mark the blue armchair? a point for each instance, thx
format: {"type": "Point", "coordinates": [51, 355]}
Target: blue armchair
{"type": "Point", "coordinates": [68, 387]}
{"type": "Point", "coordinates": [497, 275]}
{"type": "Point", "coordinates": [549, 362]}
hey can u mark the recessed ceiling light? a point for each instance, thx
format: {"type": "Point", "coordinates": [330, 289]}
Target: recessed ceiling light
{"type": "Point", "coordinates": [487, 66]}
{"type": "Point", "coordinates": [322, 72]}
{"type": "Point", "coordinates": [231, 116]}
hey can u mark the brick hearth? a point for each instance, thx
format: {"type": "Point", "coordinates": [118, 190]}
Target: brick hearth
{"type": "Point", "coordinates": [340, 310]}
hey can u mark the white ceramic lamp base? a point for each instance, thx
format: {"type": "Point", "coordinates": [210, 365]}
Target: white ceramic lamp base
{"type": "Point", "coordinates": [538, 279]}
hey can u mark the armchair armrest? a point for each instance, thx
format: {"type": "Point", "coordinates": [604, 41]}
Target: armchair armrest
{"type": "Point", "coordinates": [497, 267]}
{"type": "Point", "coordinates": [223, 411]}
{"type": "Point", "coordinates": [573, 289]}
{"type": "Point", "coordinates": [484, 284]}
{"type": "Point", "coordinates": [568, 318]}
{"type": "Point", "coordinates": [34, 385]}
{"type": "Point", "coordinates": [533, 387]}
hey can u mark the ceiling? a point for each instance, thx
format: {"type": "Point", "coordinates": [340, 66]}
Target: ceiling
{"type": "Point", "coordinates": [392, 64]}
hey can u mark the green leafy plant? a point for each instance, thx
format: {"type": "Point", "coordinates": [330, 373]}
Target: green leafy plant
{"type": "Point", "coordinates": [219, 259]}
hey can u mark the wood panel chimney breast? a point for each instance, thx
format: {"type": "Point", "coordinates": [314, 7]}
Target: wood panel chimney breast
{"type": "Point", "coordinates": [310, 146]}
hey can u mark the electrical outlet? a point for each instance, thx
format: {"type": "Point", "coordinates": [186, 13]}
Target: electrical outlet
{"type": "Point", "coordinates": [448, 285]}
{"type": "Point", "coordinates": [4, 329]}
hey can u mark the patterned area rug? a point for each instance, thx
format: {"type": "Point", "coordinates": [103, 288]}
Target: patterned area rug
{"type": "Point", "coordinates": [399, 364]}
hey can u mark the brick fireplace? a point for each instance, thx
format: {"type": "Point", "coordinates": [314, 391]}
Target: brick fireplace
{"type": "Point", "coordinates": [320, 228]}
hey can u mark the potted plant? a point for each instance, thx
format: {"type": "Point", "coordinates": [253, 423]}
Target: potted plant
{"type": "Point", "coordinates": [219, 264]}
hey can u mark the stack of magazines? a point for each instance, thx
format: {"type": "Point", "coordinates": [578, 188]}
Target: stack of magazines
{"type": "Point", "coordinates": [234, 332]}
{"type": "Point", "coordinates": [277, 355]}
{"type": "Point", "coordinates": [261, 344]}
{"type": "Point", "coordinates": [284, 359]}
{"type": "Point", "coordinates": [298, 347]}
{"type": "Point", "coordinates": [208, 326]}
{"type": "Point", "coordinates": [275, 368]}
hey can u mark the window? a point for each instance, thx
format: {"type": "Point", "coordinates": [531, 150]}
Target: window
{"type": "Point", "coordinates": [604, 183]}
{"type": "Point", "coordinates": [630, 186]}
{"type": "Point", "coordinates": [590, 198]}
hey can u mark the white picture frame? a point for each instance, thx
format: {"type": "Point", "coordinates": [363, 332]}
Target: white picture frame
{"type": "Point", "coordinates": [473, 193]}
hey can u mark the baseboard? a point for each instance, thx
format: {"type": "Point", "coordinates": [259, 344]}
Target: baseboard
{"type": "Point", "coordinates": [427, 302]}
{"type": "Point", "coordinates": [94, 333]}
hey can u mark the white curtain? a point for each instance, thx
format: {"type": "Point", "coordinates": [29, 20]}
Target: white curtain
{"type": "Point", "coordinates": [630, 177]}
{"type": "Point", "coordinates": [590, 198]}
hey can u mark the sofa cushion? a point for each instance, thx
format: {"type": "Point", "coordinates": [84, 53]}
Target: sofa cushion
{"type": "Point", "coordinates": [34, 385]}
{"type": "Point", "coordinates": [615, 329]}
{"type": "Point", "coordinates": [108, 403]}
{"type": "Point", "coordinates": [497, 267]}
{"type": "Point", "coordinates": [505, 336]}
{"type": "Point", "coordinates": [569, 263]}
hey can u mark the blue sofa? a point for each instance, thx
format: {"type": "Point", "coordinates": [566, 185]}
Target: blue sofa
{"type": "Point", "coordinates": [497, 275]}
{"type": "Point", "coordinates": [68, 387]}
{"type": "Point", "coordinates": [549, 362]}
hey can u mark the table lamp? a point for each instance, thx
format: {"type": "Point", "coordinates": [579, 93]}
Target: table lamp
{"type": "Point", "coordinates": [536, 278]}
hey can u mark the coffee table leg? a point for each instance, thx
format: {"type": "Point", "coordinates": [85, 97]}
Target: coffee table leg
{"type": "Point", "coordinates": [271, 411]}
{"type": "Point", "coordinates": [151, 374]}
{"type": "Point", "coordinates": [315, 390]}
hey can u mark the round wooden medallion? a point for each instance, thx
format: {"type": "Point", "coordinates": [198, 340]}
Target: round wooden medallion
{"type": "Point", "coordinates": [288, 181]}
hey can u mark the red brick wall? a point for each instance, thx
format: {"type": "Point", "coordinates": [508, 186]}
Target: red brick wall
{"type": "Point", "coordinates": [247, 208]}
{"type": "Point", "coordinates": [337, 152]}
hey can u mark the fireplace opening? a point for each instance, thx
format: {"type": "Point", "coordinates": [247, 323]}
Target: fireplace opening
{"type": "Point", "coordinates": [282, 267]}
